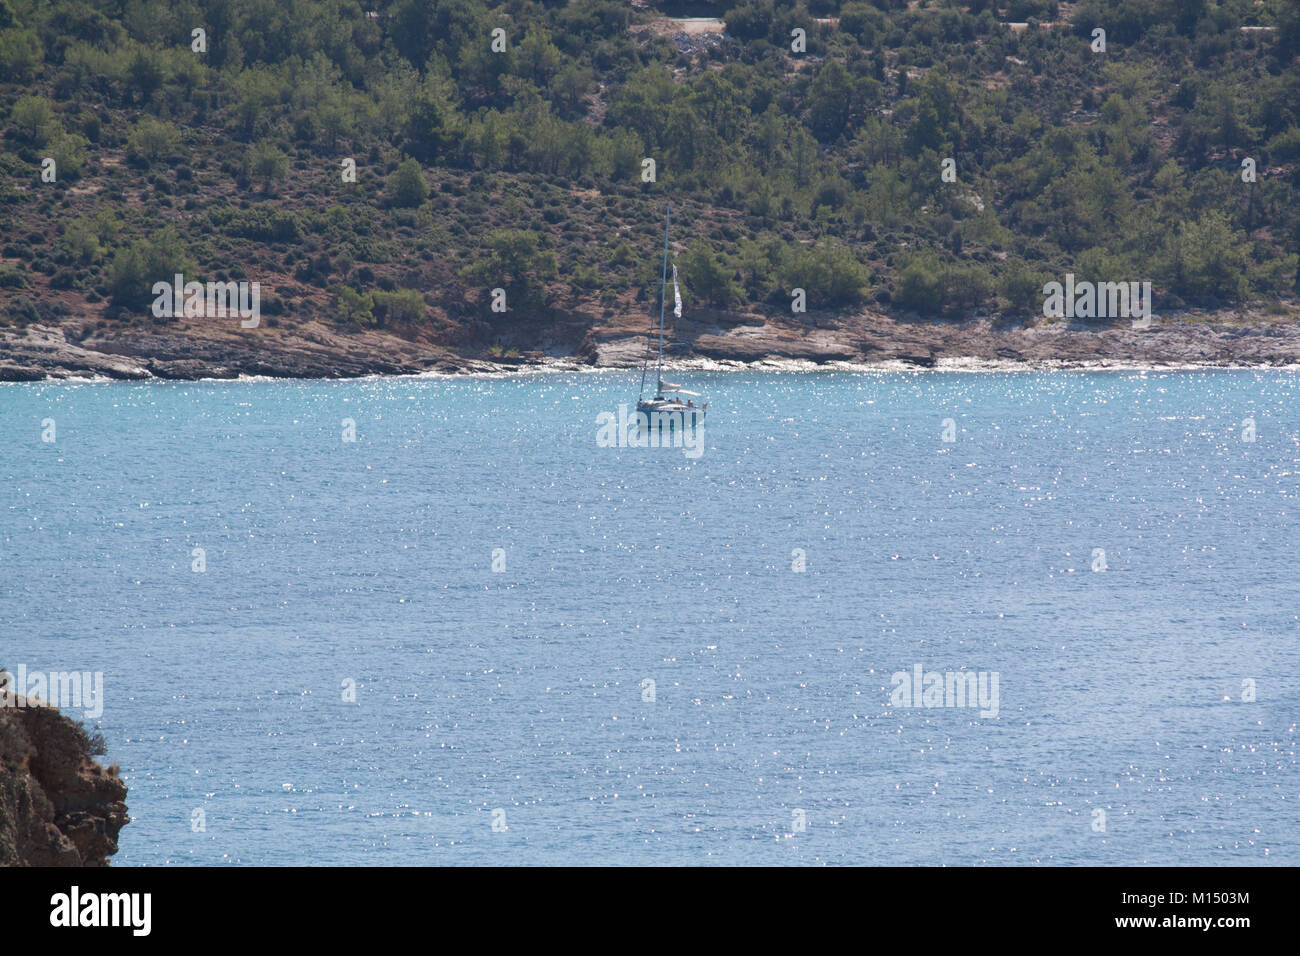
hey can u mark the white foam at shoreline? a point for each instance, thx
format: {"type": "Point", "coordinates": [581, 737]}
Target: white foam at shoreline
{"type": "Point", "coordinates": [791, 366]}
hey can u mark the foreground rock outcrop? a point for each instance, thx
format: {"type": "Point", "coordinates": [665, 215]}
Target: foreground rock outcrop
{"type": "Point", "coordinates": [58, 806]}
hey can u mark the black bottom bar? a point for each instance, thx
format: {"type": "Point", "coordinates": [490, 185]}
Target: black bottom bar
{"type": "Point", "coordinates": [942, 906]}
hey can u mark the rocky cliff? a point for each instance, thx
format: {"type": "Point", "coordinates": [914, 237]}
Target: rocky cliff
{"type": "Point", "coordinates": [58, 806]}
{"type": "Point", "coordinates": [195, 348]}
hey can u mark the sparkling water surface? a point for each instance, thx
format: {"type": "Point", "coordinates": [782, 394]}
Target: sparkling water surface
{"type": "Point", "coordinates": [525, 690]}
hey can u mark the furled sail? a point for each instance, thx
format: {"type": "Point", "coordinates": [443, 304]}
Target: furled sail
{"type": "Point", "coordinates": [660, 403]}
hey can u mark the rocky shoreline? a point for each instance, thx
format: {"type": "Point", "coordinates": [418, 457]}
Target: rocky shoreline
{"type": "Point", "coordinates": [58, 806]}
{"type": "Point", "coordinates": [193, 349]}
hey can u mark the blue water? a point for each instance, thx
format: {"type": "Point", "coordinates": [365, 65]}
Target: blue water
{"type": "Point", "coordinates": [522, 690]}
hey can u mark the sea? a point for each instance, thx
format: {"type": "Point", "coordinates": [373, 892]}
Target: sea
{"type": "Point", "coordinates": [928, 617]}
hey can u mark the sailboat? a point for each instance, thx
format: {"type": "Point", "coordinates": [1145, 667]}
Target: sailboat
{"type": "Point", "coordinates": [668, 409]}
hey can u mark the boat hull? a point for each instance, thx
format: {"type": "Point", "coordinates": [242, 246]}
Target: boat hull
{"type": "Point", "coordinates": [668, 414]}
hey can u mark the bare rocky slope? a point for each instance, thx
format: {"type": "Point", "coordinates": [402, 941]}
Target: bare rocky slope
{"type": "Point", "coordinates": [58, 806]}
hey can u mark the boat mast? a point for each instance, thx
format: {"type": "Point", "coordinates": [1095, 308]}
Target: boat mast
{"type": "Point", "coordinates": [663, 295]}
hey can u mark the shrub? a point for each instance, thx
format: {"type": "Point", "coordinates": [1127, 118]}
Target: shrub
{"type": "Point", "coordinates": [13, 279]}
{"type": "Point", "coordinates": [920, 285]}
{"type": "Point", "coordinates": [151, 140]}
{"type": "Point", "coordinates": [1020, 287]}
{"type": "Point", "coordinates": [404, 305]}
{"type": "Point", "coordinates": [137, 267]}
{"type": "Point", "coordinates": [830, 274]}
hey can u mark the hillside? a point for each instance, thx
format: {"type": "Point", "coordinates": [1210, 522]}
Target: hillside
{"type": "Point", "coordinates": [919, 170]}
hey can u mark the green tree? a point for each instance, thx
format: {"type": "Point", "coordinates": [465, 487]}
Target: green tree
{"type": "Point", "coordinates": [1020, 287]}
{"type": "Point", "coordinates": [539, 59]}
{"type": "Point", "coordinates": [80, 242]}
{"type": "Point", "coordinates": [403, 305]}
{"type": "Point", "coordinates": [830, 102]}
{"type": "Point", "coordinates": [707, 275]}
{"type": "Point", "coordinates": [68, 150]}
{"type": "Point", "coordinates": [21, 54]}
{"type": "Point", "coordinates": [513, 260]}
{"type": "Point", "coordinates": [356, 307]}
{"type": "Point", "coordinates": [829, 273]}
{"type": "Point", "coordinates": [137, 267]}
{"type": "Point", "coordinates": [920, 285]}
{"type": "Point", "coordinates": [151, 140]}
{"type": "Point", "coordinates": [34, 119]}
{"type": "Point", "coordinates": [266, 164]}
{"type": "Point", "coordinates": [146, 74]}
{"type": "Point", "coordinates": [406, 185]}
{"type": "Point", "coordinates": [1206, 260]}
{"type": "Point", "coordinates": [862, 21]}
{"type": "Point", "coordinates": [750, 20]}
{"type": "Point", "coordinates": [431, 129]}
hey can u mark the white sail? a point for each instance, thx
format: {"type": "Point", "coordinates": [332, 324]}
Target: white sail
{"type": "Point", "coordinates": [677, 296]}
